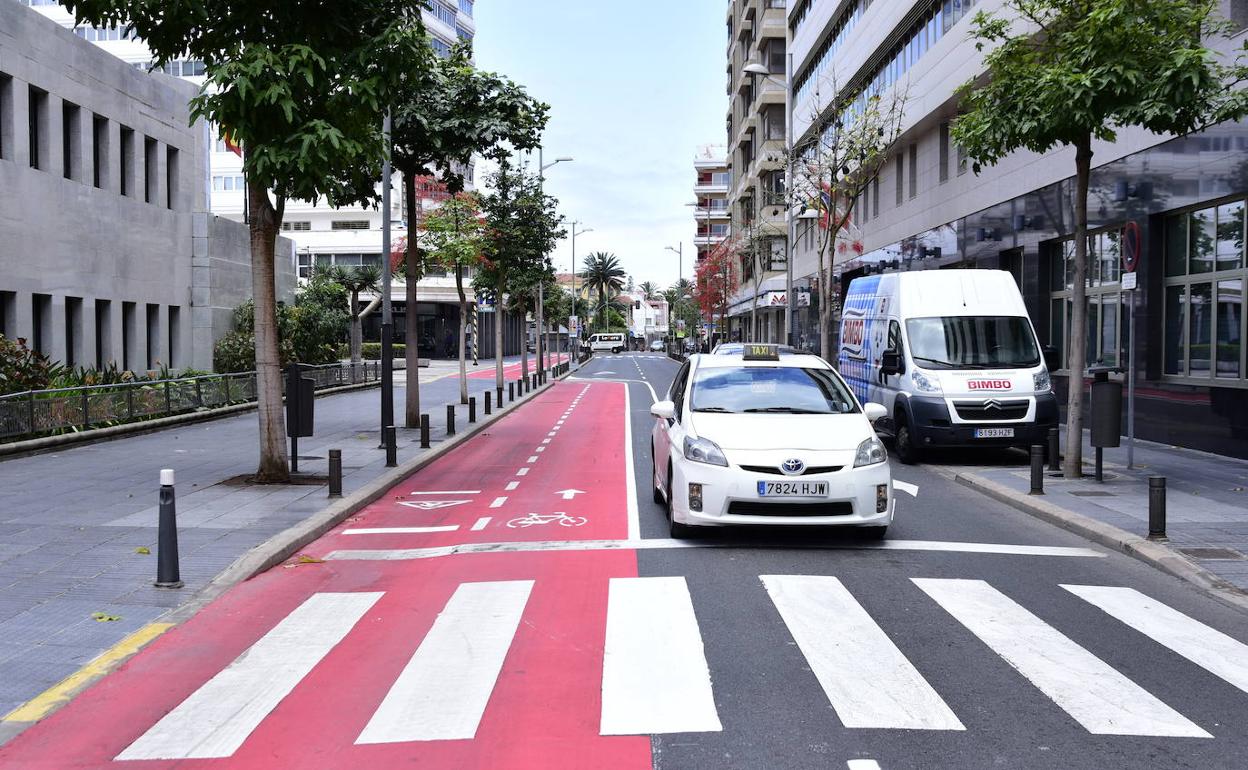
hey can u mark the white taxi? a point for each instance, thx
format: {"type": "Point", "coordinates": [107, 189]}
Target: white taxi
{"type": "Point", "coordinates": [768, 438]}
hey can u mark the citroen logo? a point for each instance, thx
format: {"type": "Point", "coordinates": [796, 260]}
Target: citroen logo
{"type": "Point", "coordinates": [792, 467]}
{"type": "Point", "coordinates": [992, 403]}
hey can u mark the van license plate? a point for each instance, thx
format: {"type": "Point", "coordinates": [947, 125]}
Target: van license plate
{"type": "Point", "coordinates": [994, 433]}
{"type": "Point", "coordinates": [792, 489]}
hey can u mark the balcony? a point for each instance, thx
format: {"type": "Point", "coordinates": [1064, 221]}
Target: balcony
{"type": "Point", "coordinates": [711, 188]}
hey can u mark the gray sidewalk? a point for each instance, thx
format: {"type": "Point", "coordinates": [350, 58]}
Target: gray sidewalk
{"type": "Point", "coordinates": [1206, 502]}
{"type": "Point", "coordinates": [72, 522]}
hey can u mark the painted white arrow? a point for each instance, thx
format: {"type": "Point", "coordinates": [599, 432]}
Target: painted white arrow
{"type": "Point", "coordinates": [909, 489]}
{"type": "Point", "coordinates": [569, 494]}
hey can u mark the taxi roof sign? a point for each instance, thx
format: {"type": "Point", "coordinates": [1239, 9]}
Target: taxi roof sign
{"type": "Point", "coordinates": [761, 353]}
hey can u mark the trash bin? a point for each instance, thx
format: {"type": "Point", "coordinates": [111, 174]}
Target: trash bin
{"type": "Point", "coordinates": [1105, 407]}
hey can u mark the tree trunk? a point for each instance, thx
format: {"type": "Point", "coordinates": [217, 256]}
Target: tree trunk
{"type": "Point", "coordinates": [1072, 466]}
{"type": "Point", "coordinates": [524, 344]}
{"type": "Point", "coordinates": [498, 334]}
{"type": "Point", "coordinates": [357, 339]}
{"type": "Point", "coordinates": [411, 351]}
{"type": "Point", "coordinates": [539, 343]}
{"type": "Point", "coordinates": [463, 325]}
{"type": "Point", "coordinates": [264, 224]}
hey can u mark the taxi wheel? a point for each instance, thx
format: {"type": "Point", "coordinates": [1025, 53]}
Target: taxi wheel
{"type": "Point", "coordinates": [654, 479]}
{"type": "Point", "coordinates": [674, 528]}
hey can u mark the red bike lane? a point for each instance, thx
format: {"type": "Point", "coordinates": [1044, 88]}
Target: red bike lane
{"type": "Point", "coordinates": [471, 660]}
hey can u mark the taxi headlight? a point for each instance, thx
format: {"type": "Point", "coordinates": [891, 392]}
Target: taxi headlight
{"type": "Point", "coordinates": [703, 450]}
{"type": "Point", "coordinates": [924, 383]}
{"type": "Point", "coordinates": [870, 452]}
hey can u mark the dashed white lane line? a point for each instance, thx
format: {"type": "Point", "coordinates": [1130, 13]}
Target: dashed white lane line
{"type": "Point", "coordinates": [480, 524]}
{"type": "Point", "coordinates": [450, 492]}
{"type": "Point", "coordinates": [511, 485]}
{"type": "Point", "coordinates": [533, 459]}
{"type": "Point", "coordinates": [905, 486]}
{"type": "Point", "coordinates": [545, 441]}
{"type": "Point", "coordinates": [863, 764]}
{"type": "Point", "coordinates": [400, 530]}
{"type": "Point", "coordinates": [522, 472]}
{"type": "Point", "coordinates": [540, 449]}
{"type": "Point", "coordinates": [552, 433]}
{"type": "Point", "coordinates": [498, 502]}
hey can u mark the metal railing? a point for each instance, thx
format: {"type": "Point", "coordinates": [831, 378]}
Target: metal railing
{"type": "Point", "coordinates": [66, 410]}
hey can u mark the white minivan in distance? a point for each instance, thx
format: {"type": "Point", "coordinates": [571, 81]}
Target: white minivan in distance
{"type": "Point", "coordinates": [603, 341]}
{"type": "Point", "coordinates": [952, 356]}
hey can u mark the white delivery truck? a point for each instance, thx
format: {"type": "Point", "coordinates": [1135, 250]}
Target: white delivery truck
{"type": "Point", "coordinates": [952, 356]}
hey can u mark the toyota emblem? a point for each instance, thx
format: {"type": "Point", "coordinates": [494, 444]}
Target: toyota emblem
{"type": "Point", "coordinates": [793, 467]}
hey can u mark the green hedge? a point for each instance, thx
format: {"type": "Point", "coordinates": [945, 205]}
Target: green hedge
{"type": "Point", "coordinates": [371, 351]}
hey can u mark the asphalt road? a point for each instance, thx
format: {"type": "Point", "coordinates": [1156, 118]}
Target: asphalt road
{"type": "Point", "coordinates": [517, 603]}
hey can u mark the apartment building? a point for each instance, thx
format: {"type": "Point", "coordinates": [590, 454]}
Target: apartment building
{"type": "Point", "coordinates": [712, 181]}
{"type": "Point", "coordinates": [757, 35]}
{"type": "Point", "coordinates": [1175, 203]}
{"type": "Point", "coordinates": [108, 253]}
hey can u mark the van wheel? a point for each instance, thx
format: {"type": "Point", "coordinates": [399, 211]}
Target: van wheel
{"type": "Point", "coordinates": [907, 452]}
{"type": "Point", "coordinates": [616, 351]}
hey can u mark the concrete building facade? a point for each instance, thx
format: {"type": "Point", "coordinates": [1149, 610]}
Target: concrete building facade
{"type": "Point", "coordinates": [756, 123]}
{"type": "Point", "coordinates": [107, 250]}
{"type": "Point", "coordinates": [1174, 204]}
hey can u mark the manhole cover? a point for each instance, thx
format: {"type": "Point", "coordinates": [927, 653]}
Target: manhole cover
{"type": "Point", "coordinates": [1092, 493]}
{"type": "Point", "coordinates": [1212, 553]}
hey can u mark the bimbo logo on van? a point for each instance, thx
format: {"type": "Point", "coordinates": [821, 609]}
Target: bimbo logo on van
{"type": "Point", "coordinates": [988, 385]}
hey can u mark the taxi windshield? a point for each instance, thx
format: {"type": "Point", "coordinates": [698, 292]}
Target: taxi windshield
{"type": "Point", "coordinates": [770, 389]}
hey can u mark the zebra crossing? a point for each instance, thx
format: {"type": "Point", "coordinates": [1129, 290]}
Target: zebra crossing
{"type": "Point", "coordinates": [654, 674]}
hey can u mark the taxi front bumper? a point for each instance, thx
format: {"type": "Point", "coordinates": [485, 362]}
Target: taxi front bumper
{"type": "Point", "coordinates": [730, 496]}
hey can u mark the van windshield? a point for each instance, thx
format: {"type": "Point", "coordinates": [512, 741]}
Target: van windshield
{"type": "Point", "coordinates": [972, 342]}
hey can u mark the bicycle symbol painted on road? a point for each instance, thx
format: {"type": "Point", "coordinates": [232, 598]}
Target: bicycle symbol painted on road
{"type": "Point", "coordinates": [535, 519]}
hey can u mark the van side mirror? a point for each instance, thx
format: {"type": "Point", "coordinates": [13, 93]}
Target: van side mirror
{"type": "Point", "coordinates": [891, 363]}
{"type": "Point", "coordinates": [874, 411]}
{"type": "Point", "coordinates": [1052, 360]}
{"type": "Point", "coordinates": [664, 410]}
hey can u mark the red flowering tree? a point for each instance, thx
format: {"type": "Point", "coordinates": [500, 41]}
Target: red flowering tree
{"type": "Point", "coordinates": [716, 277]}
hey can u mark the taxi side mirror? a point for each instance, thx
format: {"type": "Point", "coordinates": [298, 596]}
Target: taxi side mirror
{"type": "Point", "coordinates": [664, 410]}
{"type": "Point", "coordinates": [874, 411]}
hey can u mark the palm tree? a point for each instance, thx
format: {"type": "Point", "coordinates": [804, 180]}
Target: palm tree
{"type": "Point", "coordinates": [356, 280]}
{"type": "Point", "coordinates": [649, 289]}
{"type": "Point", "coordinates": [602, 271]}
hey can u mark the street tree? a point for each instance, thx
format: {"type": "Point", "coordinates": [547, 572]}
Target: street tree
{"type": "Point", "coordinates": [303, 94]}
{"type": "Point", "coordinates": [355, 280]}
{"type": "Point", "coordinates": [455, 240]}
{"type": "Point", "coordinates": [1063, 73]}
{"type": "Point", "coordinates": [448, 113]}
{"type": "Point", "coordinates": [602, 273]}
{"type": "Point", "coordinates": [715, 278]}
{"type": "Point", "coordinates": [833, 166]}
{"type": "Point", "coordinates": [522, 227]}
{"type": "Point", "coordinates": [648, 289]}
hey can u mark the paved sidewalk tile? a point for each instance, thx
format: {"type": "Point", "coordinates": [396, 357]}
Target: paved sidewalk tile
{"type": "Point", "coordinates": [72, 521]}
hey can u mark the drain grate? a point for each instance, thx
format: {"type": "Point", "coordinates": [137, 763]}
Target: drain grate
{"type": "Point", "coordinates": [1092, 493]}
{"type": "Point", "coordinates": [1212, 553]}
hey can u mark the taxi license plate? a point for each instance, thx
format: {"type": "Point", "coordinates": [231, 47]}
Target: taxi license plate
{"type": "Point", "coordinates": [994, 433]}
{"type": "Point", "coordinates": [792, 489]}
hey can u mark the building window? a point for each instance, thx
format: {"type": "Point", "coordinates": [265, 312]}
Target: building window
{"type": "Point", "coordinates": [8, 314]}
{"type": "Point", "coordinates": [773, 122]}
{"type": "Point", "coordinates": [298, 226]}
{"type": "Point", "coordinates": [152, 338]}
{"type": "Point", "coordinates": [71, 141]}
{"type": "Point", "coordinates": [175, 336]}
{"type": "Point", "coordinates": [1107, 304]}
{"type": "Point", "coordinates": [171, 176]}
{"type": "Point", "coordinates": [1204, 293]}
{"type": "Point", "coordinates": [875, 196]}
{"type": "Point", "coordinates": [465, 7]}
{"type": "Point", "coordinates": [962, 164]}
{"type": "Point", "coordinates": [127, 161]}
{"type": "Point", "coordinates": [944, 152]}
{"type": "Point", "coordinates": [228, 182]}
{"type": "Point", "coordinates": [774, 56]}
{"type": "Point", "coordinates": [99, 150]}
{"type": "Point", "coordinates": [73, 331]}
{"type": "Point", "coordinates": [914, 170]}
{"type": "Point", "coordinates": [901, 177]}
{"type": "Point", "coordinates": [37, 119]}
{"type": "Point", "coordinates": [443, 13]}
{"type": "Point", "coordinates": [6, 112]}
{"type": "Point", "coordinates": [149, 169]}
{"type": "Point", "coordinates": [40, 323]}
{"type": "Point", "coordinates": [349, 224]}
{"type": "Point", "coordinates": [129, 331]}
{"type": "Point", "coordinates": [103, 332]}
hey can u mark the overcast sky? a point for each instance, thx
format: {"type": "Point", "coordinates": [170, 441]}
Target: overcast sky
{"type": "Point", "coordinates": [634, 89]}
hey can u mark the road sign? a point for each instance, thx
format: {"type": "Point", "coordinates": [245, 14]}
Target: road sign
{"type": "Point", "coordinates": [1128, 281]}
{"type": "Point", "coordinates": [574, 326]}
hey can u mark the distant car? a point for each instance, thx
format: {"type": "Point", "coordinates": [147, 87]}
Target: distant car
{"type": "Point", "coordinates": [761, 438]}
{"type": "Point", "coordinates": [656, 346]}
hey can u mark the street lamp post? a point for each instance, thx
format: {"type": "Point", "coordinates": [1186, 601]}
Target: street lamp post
{"type": "Point", "coordinates": [575, 296]}
{"type": "Point", "coordinates": [387, 321]}
{"type": "Point", "coordinates": [541, 186]}
{"type": "Point", "coordinates": [680, 275]}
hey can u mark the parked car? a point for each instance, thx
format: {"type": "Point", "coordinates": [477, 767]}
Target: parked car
{"type": "Point", "coordinates": [656, 346]}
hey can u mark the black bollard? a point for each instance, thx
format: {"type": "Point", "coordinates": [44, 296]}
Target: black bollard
{"type": "Point", "coordinates": [1055, 450]}
{"type": "Point", "coordinates": [1156, 507]}
{"type": "Point", "coordinates": [498, 396]}
{"type": "Point", "coordinates": [167, 575]}
{"type": "Point", "coordinates": [487, 401]}
{"type": "Point", "coordinates": [472, 409]}
{"type": "Point", "coordinates": [511, 392]}
{"type": "Point", "coordinates": [424, 431]}
{"type": "Point", "coordinates": [450, 419]}
{"type": "Point", "coordinates": [1037, 469]}
{"type": "Point", "coordinates": [392, 447]}
{"type": "Point", "coordinates": [335, 473]}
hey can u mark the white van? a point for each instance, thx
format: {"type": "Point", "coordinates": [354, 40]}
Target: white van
{"type": "Point", "coordinates": [952, 356]}
{"type": "Point", "coordinates": [602, 342]}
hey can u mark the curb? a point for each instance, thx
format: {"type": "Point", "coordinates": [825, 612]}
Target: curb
{"type": "Point", "coordinates": [1150, 552]}
{"type": "Point", "coordinates": [260, 558]}
{"type": "Point", "coordinates": [46, 444]}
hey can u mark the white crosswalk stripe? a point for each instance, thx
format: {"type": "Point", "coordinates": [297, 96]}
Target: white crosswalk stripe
{"type": "Point", "coordinates": [216, 719]}
{"type": "Point", "coordinates": [1210, 649]}
{"type": "Point", "coordinates": [442, 692]}
{"type": "Point", "coordinates": [654, 673]}
{"type": "Point", "coordinates": [837, 636]}
{"type": "Point", "coordinates": [1097, 696]}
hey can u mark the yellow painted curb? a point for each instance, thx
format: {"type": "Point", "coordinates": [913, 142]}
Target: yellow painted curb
{"type": "Point", "coordinates": [43, 704]}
